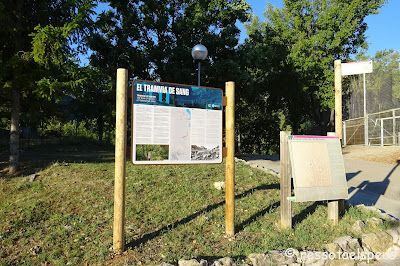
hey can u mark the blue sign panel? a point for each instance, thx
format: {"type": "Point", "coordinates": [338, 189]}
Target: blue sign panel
{"type": "Point", "coordinates": [176, 124]}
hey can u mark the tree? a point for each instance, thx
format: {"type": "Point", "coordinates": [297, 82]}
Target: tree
{"type": "Point", "coordinates": [384, 82]}
{"type": "Point", "coordinates": [310, 35]}
{"type": "Point", "coordinates": [153, 39]}
{"type": "Point", "coordinates": [264, 79]}
{"type": "Point", "coordinates": [35, 52]}
{"type": "Point", "coordinates": [115, 40]}
{"type": "Point", "coordinates": [172, 28]}
{"type": "Point", "coordinates": [92, 99]}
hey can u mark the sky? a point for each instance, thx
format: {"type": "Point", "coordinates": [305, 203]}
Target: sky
{"type": "Point", "coordinates": [383, 29]}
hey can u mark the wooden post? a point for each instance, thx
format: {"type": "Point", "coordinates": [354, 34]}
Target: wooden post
{"type": "Point", "coordinates": [333, 211]}
{"type": "Point", "coordinates": [333, 205]}
{"type": "Point", "coordinates": [230, 158]}
{"type": "Point", "coordinates": [338, 98]}
{"type": "Point", "coordinates": [341, 206]}
{"type": "Point", "coordinates": [285, 182]}
{"type": "Point", "coordinates": [120, 160]}
{"type": "Point", "coordinates": [338, 114]}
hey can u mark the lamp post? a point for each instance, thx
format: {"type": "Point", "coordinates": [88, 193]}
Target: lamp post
{"type": "Point", "coordinates": [199, 53]}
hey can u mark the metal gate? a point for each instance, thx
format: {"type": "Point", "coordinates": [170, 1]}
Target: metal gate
{"type": "Point", "coordinates": [382, 128]}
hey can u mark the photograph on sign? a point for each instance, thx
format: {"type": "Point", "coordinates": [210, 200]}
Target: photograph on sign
{"type": "Point", "coordinates": [176, 124]}
{"type": "Point", "coordinates": [317, 168]}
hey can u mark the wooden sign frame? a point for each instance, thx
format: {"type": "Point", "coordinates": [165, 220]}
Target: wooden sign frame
{"type": "Point", "coordinates": [335, 207]}
{"type": "Point", "coordinates": [120, 159]}
{"type": "Point", "coordinates": [286, 184]}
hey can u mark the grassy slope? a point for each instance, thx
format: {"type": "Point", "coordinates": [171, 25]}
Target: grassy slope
{"type": "Point", "coordinates": [172, 212]}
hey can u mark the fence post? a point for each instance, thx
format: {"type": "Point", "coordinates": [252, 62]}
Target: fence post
{"type": "Point", "coordinates": [398, 138]}
{"type": "Point", "coordinates": [344, 134]}
{"type": "Point", "coordinates": [366, 130]}
{"type": "Point", "coordinates": [382, 132]}
{"type": "Point", "coordinates": [285, 182]}
{"type": "Point", "coordinates": [394, 127]}
{"type": "Point", "coordinates": [120, 160]}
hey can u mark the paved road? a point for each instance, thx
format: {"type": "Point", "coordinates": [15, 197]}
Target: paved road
{"type": "Point", "coordinates": [369, 183]}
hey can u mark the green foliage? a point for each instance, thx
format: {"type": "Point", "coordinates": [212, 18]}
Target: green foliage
{"type": "Point", "coordinates": [317, 33]}
{"type": "Point", "coordinates": [36, 54]}
{"type": "Point", "coordinates": [49, 45]}
{"type": "Point", "coordinates": [254, 122]}
{"type": "Point", "coordinates": [288, 60]}
{"type": "Point", "coordinates": [152, 152]}
{"type": "Point", "coordinates": [38, 45]}
{"type": "Point", "coordinates": [283, 72]}
{"type": "Point", "coordinates": [94, 100]}
{"type": "Point", "coordinates": [48, 87]}
{"type": "Point", "coordinates": [74, 130]}
{"type": "Point", "coordinates": [153, 39]}
{"type": "Point", "coordinates": [385, 79]}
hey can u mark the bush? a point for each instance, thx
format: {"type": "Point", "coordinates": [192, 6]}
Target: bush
{"type": "Point", "coordinates": [72, 130]}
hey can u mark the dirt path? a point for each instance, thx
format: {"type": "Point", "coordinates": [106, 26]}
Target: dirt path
{"type": "Point", "coordinates": [386, 154]}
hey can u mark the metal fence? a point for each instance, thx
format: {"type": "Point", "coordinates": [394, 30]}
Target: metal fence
{"type": "Point", "coordinates": [383, 128]}
{"type": "Point", "coordinates": [371, 103]}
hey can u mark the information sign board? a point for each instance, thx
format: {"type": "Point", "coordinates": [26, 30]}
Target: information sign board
{"type": "Point", "coordinates": [176, 123]}
{"type": "Point", "coordinates": [317, 168]}
{"type": "Point", "coordinates": [354, 68]}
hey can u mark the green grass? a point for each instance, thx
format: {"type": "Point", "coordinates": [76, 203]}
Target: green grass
{"type": "Point", "coordinates": [172, 212]}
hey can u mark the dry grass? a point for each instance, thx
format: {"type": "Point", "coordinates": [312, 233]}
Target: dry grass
{"type": "Point", "coordinates": [172, 212]}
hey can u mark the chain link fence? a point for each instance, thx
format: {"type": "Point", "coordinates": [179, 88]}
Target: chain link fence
{"type": "Point", "coordinates": [380, 124]}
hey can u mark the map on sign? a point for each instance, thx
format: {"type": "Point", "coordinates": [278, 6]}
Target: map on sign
{"type": "Point", "coordinates": [317, 168]}
{"type": "Point", "coordinates": [176, 124]}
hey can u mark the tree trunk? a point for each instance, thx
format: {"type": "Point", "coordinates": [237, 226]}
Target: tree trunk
{"type": "Point", "coordinates": [15, 97]}
{"type": "Point", "coordinates": [14, 132]}
{"type": "Point", "coordinates": [100, 128]}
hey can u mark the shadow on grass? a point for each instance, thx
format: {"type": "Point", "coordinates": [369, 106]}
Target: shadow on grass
{"type": "Point", "coordinates": [42, 156]}
{"type": "Point", "coordinates": [298, 218]}
{"type": "Point", "coordinates": [259, 214]}
{"type": "Point", "coordinates": [152, 235]}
